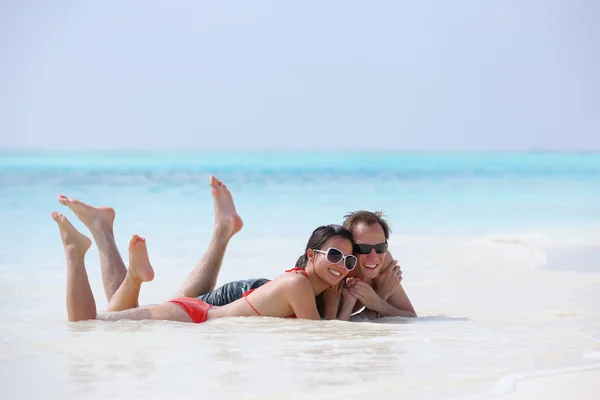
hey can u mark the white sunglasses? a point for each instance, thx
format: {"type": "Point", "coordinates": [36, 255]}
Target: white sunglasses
{"type": "Point", "coordinates": [335, 256]}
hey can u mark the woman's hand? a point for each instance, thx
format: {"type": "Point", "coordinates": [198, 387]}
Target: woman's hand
{"type": "Point", "coordinates": [363, 292]}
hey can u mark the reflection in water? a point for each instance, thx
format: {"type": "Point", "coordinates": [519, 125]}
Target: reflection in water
{"type": "Point", "coordinates": [268, 354]}
{"type": "Point", "coordinates": [83, 374]}
{"type": "Point", "coordinates": [82, 327]}
{"type": "Point", "coordinates": [125, 360]}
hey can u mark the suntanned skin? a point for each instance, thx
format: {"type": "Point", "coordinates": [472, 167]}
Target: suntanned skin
{"type": "Point", "coordinates": [202, 279]}
{"type": "Point", "coordinates": [375, 283]}
{"type": "Point", "coordinates": [140, 270]}
{"type": "Point", "coordinates": [289, 294]}
{"type": "Point", "coordinates": [99, 221]}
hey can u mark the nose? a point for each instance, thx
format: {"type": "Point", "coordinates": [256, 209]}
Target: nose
{"type": "Point", "coordinates": [372, 254]}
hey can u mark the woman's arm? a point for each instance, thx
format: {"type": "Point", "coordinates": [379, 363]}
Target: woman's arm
{"type": "Point", "coordinates": [331, 301]}
{"type": "Point", "coordinates": [300, 295]}
{"type": "Point", "coordinates": [348, 303]}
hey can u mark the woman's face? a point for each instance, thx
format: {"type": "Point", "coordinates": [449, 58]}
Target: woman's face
{"type": "Point", "coordinates": [328, 271]}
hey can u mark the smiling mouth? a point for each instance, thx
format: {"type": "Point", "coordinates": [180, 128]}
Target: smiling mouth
{"type": "Point", "coordinates": [337, 274]}
{"type": "Point", "coordinates": [370, 266]}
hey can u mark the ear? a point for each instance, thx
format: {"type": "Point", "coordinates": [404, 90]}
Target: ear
{"type": "Point", "coordinates": [310, 255]}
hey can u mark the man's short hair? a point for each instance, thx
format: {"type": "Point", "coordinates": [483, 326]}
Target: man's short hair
{"type": "Point", "coordinates": [368, 218]}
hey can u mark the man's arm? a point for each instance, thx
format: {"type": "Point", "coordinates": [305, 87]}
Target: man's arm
{"type": "Point", "coordinates": [386, 309]}
{"type": "Point", "coordinates": [367, 295]}
{"type": "Point", "coordinates": [400, 301]}
{"type": "Point", "coordinates": [388, 285]}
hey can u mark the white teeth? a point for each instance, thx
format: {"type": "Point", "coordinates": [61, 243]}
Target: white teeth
{"type": "Point", "coordinates": [336, 273]}
{"type": "Point", "coordinates": [371, 266]}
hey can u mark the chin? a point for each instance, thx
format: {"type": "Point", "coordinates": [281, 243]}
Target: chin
{"type": "Point", "coordinates": [334, 283]}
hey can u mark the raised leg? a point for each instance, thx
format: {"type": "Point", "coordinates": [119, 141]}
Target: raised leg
{"type": "Point", "coordinates": [99, 220]}
{"type": "Point", "coordinates": [140, 270]}
{"type": "Point", "coordinates": [80, 299]}
{"type": "Point", "coordinates": [203, 277]}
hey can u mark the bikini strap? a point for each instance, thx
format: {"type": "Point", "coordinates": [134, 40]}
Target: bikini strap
{"type": "Point", "coordinates": [245, 296]}
{"type": "Point", "coordinates": [301, 270]}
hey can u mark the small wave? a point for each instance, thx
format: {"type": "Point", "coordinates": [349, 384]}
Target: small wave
{"type": "Point", "coordinates": [509, 384]}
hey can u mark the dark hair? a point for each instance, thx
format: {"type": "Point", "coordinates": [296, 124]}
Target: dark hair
{"type": "Point", "coordinates": [320, 236]}
{"type": "Point", "coordinates": [369, 218]}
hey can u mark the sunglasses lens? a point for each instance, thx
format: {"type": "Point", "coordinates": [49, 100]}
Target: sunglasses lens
{"type": "Point", "coordinates": [381, 248]}
{"type": "Point", "coordinates": [366, 248]}
{"type": "Point", "coordinates": [334, 256]}
{"type": "Point", "coordinates": [362, 248]}
{"type": "Point", "coordinates": [350, 263]}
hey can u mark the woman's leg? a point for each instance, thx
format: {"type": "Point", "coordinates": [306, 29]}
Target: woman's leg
{"type": "Point", "coordinates": [140, 270]}
{"type": "Point", "coordinates": [99, 220]}
{"type": "Point", "coordinates": [163, 312]}
{"type": "Point", "coordinates": [80, 299]}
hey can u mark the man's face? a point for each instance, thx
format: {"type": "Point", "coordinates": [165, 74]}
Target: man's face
{"type": "Point", "coordinates": [369, 264]}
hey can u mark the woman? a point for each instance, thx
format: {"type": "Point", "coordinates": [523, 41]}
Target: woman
{"type": "Point", "coordinates": [325, 263]}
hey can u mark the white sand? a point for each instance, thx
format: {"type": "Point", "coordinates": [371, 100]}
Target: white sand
{"type": "Point", "coordinates": [580, 385]}
{"type": "Point", "coordinates": [490, 309]}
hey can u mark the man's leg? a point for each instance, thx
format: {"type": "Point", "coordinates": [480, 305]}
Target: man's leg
{"type": "Point", "coordinates": [231, 291]}
{"type": "Point", "coordinates": [140, 270]}
{"type": "Point", "coordinates": [99, 220]}
{"type": "Point", "coordinates": [203, 277]}
{"type": "Point", "coordinates": [80, 299]}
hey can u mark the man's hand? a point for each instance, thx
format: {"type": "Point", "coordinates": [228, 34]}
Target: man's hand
{"type": "Point", "coordinates": [388, 280]}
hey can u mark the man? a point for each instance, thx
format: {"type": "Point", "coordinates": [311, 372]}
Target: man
{"type": "Point", "coordinates": [375, 283]}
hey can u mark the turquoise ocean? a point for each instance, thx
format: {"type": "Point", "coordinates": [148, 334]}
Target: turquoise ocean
{"type": "Point", "coordinates": [500, 253]}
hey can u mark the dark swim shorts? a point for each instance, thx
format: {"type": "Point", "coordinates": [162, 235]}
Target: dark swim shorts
{"type": "Point", "coordinates": [231, 291]}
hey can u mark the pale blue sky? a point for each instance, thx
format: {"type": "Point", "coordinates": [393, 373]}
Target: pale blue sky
{"type": "Point", "coordinates": [444, 75]}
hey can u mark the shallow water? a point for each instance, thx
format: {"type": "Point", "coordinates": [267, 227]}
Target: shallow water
{"type": "Point", "coordinates": [506, 286]}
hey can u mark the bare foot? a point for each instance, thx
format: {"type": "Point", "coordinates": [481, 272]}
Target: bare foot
{"type": "Point", "coordinates": [227, 220]}
{"type": "Point", "coordinates": [73, 240]}
{"type": "Point", "coordinates": [139, 263]}
{"type": "Point", "coordinates": [95, 218]}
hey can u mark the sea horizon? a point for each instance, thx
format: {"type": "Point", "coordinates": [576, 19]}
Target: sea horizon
{"type": "Point", "coordinates": [316, 149]}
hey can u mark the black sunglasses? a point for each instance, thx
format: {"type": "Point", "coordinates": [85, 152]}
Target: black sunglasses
{"type": "Point", "coordinates": [334, 256]}
{"type": "Point", "coordinates": [366, 248]}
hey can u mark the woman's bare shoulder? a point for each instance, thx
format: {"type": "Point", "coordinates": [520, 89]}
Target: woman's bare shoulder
{"type": "Point", "coordinates": [290, 280]}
